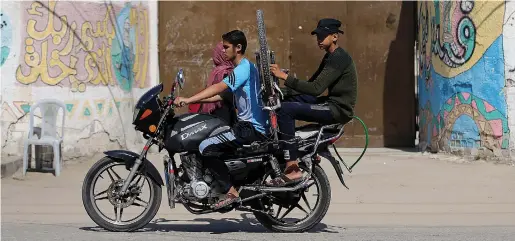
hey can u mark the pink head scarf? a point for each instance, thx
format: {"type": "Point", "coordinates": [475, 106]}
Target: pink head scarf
{"type": "Point", "coordinates": [222, 67]}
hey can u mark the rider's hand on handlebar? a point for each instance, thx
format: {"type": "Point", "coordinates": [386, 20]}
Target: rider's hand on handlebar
{"type": "Point", "coordinates": [180, 101]}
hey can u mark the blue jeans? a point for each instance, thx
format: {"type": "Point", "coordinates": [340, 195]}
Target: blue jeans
{"type": "Point", "coordinates": [304, 108]}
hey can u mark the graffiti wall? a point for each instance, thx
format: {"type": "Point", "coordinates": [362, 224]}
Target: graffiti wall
{"type": "Point", "coordinates": [6, 36]}
{"type": "Point", "coordinates": [461, 75]}
{"type": "Point", "coordinates": [89, 44]}
{"type": "Point", "coordinates": [96, 57]}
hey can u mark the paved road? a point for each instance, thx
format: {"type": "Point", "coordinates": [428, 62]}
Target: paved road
{"type": "Point", "coordinates": [227, 230]}
{"type": "Point", "coordinates": [393, 196]}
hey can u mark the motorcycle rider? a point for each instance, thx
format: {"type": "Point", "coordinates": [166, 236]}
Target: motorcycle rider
{"type": "Point", "coordinates": [337, 73]}
{"type": "Point", "coordinates": [252, 123]}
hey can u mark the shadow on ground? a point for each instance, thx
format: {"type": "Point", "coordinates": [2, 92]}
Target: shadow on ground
{"type": "Point", "coordinates": [247, 224]}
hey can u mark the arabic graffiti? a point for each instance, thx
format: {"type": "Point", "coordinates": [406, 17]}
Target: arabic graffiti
{"type": "Point", "coordinates": [5, 37]}
{"type": "Point", "coordinates": [73, 41]}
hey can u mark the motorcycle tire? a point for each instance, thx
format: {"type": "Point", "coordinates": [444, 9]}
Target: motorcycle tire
{"type": "Point", "coordinates": [317, 215]}
{"type": "Point", "coordinates": [95, 214]}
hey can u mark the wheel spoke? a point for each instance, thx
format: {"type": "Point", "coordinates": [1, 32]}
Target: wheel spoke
{"type": "Point", "coordinates": [111, 176]}
{"type": "Point", "coordinates": [137, 181]}
{"type": "Point", "coordinates": [145, 204]}
{"type": "Point", "coordinates": [287, 211]}
{"type": "Point", "coordinates": [100, 193]}
{"type": "Point", "coordinates": [301, 208]}
{"type": "Point", "coordinates": [118, 212]}
{"type": "Point", "coordinates": [306, 201]}
{"type": "Point", "coordinates": [279, 211]}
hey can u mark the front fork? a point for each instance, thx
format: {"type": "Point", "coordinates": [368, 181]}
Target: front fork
{"type": "Point", "coordinates": [135, 167]}
{"type": "Point", "coordinates": [169, 170]}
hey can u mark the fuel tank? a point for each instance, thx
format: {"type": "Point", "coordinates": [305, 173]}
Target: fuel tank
{"type": "Point", "coordinates": [187, 131]}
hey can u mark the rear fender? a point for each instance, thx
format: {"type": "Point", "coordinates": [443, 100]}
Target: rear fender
{"type": "Point", "coordinates": [339, 172]}
{"type": "Point", "coordinates": [129, 157]}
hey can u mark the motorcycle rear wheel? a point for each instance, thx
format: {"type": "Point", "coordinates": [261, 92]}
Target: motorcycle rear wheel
{"type": "Point", "coordinates": [316, 215]}
{"type": "Point", "coordinates": [88, 199]}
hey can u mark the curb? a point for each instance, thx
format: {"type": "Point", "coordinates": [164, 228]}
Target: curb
{"type": "Point", "coordinates": [11, 166]}
{"type": "Point", "coordinates": [379, 150]}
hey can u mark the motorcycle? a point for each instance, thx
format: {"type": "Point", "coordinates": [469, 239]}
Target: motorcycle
{"type": "Point", "coordinates": [193, 185]}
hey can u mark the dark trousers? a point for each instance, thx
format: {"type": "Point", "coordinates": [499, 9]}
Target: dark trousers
{"type": "Point", "coordinates": [304, 108]}
{"type": "Point", "coordinates": [242, 133]}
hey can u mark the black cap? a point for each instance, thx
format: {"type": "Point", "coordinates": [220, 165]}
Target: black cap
{"type": "Point", "coordinates": [327, 26]}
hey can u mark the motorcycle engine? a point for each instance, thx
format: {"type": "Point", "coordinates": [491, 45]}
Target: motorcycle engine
{"type": "Point", "coordinates": [201, 184]}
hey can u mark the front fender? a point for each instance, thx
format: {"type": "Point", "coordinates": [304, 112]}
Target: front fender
{"type": "Point", "coordinates": [129, 157]}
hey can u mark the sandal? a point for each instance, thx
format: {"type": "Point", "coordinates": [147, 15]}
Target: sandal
{"type": "Point", "coordinates": [283, 180]}
{"type": "Point", "coordinates": [229, 199]}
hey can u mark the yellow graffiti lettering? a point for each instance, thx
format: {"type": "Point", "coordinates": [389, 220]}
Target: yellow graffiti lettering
{"type": "Point", "coordinates": [65, 70]}
{"type": "Point", "coordinates": [38, 62]}
{"type": "Point", "coordinates": [34, 61]}
{"type": "Point", "coordinates": [50, 64]}
{"type": "Point", "coordinates": [99, 77]}
{"type": "Point", "coordinates": [33, 9]}
{"type": "Point", "coordinates": [86, 43]}
{"type": "Point", "coordinates": [108, 64]}
{"type": "Point", "coordinates": [88, 66]}
{"type": "Point", "coordinates": [143, 74]}
{"type": "Point", "coordinates": [69, 45]}
{"type": "Point", "coordinates": [109, 34]}
{"type": "Point", "coordinates": [49, 29]}
{"type": "Point", "coordinates": [73, 79]}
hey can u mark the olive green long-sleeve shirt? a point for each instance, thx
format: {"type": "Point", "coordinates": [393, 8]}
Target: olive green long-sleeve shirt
{"type": "Point", "coordinates": [337, 73]}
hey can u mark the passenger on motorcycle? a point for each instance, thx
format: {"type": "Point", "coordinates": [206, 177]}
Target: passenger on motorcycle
{"type": "Point", "coordinates": [221, 105]}
{"type": "Point", "coordinates": [337, 73]}
{"type": "Point", "coordinates": [252, 123]}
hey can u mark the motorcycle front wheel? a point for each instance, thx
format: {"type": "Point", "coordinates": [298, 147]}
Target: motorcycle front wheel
{"type": "Point", "coordinates": [104, 170]}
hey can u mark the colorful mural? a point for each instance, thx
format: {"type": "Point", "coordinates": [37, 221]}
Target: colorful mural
{"type": "Point", "coordinates": [461, 75]}
{"type": "Point", "coordinates": [5, 37]}
{"type": "Point", "coordinates": [79, 43]}
{"type": "Point", "coordinates": [81, 109]}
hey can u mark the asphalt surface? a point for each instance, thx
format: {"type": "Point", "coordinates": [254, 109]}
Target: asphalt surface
{"type": "Point", "coordinates": [229, 230]}
{"type": "Point", "coordinates": [393, 196]}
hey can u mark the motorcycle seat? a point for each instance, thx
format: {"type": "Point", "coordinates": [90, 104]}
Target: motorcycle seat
{"type": "Point", "coordinates": [312, 130]}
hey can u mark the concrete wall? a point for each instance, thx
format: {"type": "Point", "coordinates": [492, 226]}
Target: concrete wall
{"type": "Point", "coordinates": [465, 55]}
{"type": "Point", "coordinates": [378, 35]}
{"type": "Point", "coordinates": [75, 52]}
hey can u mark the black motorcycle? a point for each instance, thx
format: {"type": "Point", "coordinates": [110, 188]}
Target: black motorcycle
{"type": "Point", "coordinates": [192, 184]}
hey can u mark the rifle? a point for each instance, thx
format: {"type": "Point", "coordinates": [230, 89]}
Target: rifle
{"type": "Point", "coordinates": [270, 92]}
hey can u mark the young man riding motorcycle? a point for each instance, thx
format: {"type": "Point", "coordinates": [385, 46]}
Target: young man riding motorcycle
{"type": "Point", "coordinates": [337, 73]}
{"type": "Point", "coordinates": [252, 123]}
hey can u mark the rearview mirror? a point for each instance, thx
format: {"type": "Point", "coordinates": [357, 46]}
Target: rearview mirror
{"type": "Point", "coordinates": [180, 78]}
